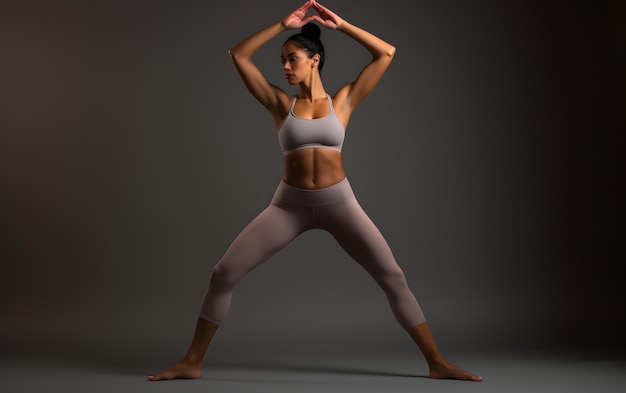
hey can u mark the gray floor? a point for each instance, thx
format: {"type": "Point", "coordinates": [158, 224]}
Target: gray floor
{"type": "Point", "coordinates": [503, 372]}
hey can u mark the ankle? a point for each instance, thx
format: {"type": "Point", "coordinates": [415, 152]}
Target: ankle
{"type": "Point", "coordinates": [436, 361]}
{"type": "Point", "coordinates": [192, 361]}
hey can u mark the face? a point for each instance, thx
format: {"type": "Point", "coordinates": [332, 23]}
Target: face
{"type": "Point", "coordinates": [297, 65]}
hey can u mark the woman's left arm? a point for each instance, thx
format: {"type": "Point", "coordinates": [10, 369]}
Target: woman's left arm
{"type": "Point", "coordinates": [382, 54]}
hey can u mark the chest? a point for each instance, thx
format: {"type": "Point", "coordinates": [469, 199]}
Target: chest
{"type": "Point", "coordinates": [306, 109]}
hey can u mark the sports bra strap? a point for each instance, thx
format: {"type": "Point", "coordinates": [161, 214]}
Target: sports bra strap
{"type": "Point", "coordinates": [330, 104]}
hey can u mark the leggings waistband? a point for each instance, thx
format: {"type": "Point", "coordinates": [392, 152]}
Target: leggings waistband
{"type": "Point", "coordinates": [291, 195]}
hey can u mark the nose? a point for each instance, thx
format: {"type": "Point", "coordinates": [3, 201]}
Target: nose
{"type": "Point", "coordinates": [286, 66]}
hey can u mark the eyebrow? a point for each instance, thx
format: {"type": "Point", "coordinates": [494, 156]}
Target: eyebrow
{"type": "Point", "coordinates": [292, 53]}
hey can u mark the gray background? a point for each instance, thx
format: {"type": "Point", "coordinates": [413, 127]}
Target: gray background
{"type": "Point", "coordinates": [131, 155]}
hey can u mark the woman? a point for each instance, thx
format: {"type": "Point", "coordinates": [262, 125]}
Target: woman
{"type": "Point", "coordinates": [314, 191]}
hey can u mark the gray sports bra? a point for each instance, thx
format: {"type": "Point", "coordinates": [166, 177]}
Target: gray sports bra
{"type": "Point", "coordinates": [297, 133]}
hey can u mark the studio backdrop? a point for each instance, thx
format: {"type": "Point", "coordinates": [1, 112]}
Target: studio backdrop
{"type": "Point", "coordinates": [131, 155]}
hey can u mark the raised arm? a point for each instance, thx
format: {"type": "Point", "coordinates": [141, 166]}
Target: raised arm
{"type": "Point", "coordinates": [382, 54]}
{"type": "Point", "coordinates": [241, 54]}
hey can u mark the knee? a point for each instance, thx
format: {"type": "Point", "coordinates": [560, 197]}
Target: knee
{"type": "Point", "coordinates": [223, 276]}
{"type": "Point", "coordinates": [392, 280]}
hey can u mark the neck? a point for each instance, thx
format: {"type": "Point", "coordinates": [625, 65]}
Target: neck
{"type": "Point", "coordinates": [312, 88]}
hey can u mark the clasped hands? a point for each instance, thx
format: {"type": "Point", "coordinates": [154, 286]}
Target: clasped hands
{"type": "Point", "coordinates": [324, 17]}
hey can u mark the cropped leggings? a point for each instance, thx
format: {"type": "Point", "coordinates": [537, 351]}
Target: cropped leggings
{"type": "Point", "coordinates": [294, 211]}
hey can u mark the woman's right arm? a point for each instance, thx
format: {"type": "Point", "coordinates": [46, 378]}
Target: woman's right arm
{"type": "Point", "coordinates": [269, 95]}
{"type": "Point", "coordinates": [252, 77]}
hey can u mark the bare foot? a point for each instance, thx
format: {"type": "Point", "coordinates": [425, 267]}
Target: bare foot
{"type": "Point", "coordinates": [181, 370]}
{"type": "Point", "coordinates": [450, 371]}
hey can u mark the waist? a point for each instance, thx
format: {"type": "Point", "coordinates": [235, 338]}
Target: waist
{"type": "Point", "coordinates": [290, 195]}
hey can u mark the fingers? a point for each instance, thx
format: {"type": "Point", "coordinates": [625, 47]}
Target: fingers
{"type": "Point", "coordinates": [307, 19]}
{"type": "Point", "coordinates": [305, 7]}
{"type": "Point", "coordinates": [313, 3]}
{"type": "Point", "coordinates": [319, 20]}
{"type": "Point", "coordinates": [321, 10]}
{"type": "Point", "coordinates": [318, 7]}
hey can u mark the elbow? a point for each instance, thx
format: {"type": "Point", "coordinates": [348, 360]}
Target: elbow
{"type": "Point", "coordinates": [233, 53]}
{"type": "Point", "coordinates": [236, 53]}
{"type": "Point", "coordinates": [237, 56]}
{"type": "Point", "coordinates": [386, 54]}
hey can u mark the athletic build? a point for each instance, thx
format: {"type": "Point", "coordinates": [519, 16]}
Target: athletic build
{"type": "Point", "coordinates": [314, 191]}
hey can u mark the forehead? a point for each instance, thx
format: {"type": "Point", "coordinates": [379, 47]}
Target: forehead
{"type": "Point", "coordinates": [290, 47]}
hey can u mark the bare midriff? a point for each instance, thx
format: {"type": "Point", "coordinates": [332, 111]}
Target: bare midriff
{"type": "Point", "coordinates": [313, 168]}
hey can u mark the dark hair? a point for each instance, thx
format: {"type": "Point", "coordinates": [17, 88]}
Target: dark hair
{"type": "Point", "coordinates": [309, 40]}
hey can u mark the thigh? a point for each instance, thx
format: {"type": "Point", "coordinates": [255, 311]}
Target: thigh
{"type": "Point", "coordinates": [360, 238]}
{"type": "Point", "coordinates": [268, 233]}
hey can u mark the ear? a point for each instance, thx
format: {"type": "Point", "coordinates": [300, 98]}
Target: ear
{"type": "Point", "coordinates": [316, 59]}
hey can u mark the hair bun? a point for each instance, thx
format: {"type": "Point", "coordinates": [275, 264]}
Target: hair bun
{"type": "Point", "coordinates": [311, 30]}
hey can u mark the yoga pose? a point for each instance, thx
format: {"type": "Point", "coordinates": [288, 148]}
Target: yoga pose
{"type": "Point", "coordinates": [314, 191]}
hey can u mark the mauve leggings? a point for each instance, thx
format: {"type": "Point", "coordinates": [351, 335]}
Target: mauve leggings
{"type": "Point", "coordinates": [293, 211]}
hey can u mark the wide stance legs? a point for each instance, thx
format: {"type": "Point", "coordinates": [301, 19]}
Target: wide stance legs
{"type": "Point", "coordinates": [293, 211]}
